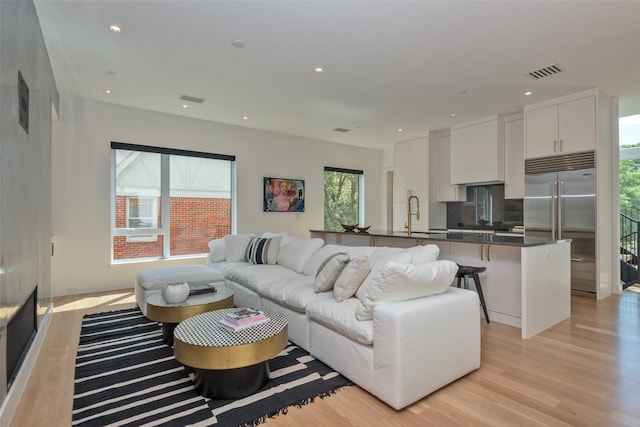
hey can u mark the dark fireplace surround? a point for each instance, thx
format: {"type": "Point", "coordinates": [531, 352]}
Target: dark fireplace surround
{"type": "Point", "coordinates": [21, 331]}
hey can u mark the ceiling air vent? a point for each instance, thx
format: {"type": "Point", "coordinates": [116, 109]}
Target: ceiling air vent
{"type": "Point", "coordinates": [547, 71]}
{"type": "Point", "coordinates": [343, 130]}
{"type": "Point", "coordinates": [191, 99]}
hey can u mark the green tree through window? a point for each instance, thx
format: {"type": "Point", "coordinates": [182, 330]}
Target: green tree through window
{"type": "Point", "coordinates": [342, 194]}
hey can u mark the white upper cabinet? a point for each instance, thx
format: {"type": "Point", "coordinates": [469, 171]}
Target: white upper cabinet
{"type": "Point", "coordinates": [561, 127]}
{"type": "Point", "coordinates": [410, 169]}
{"type": "Point", "coordinates": [411, 178]}
{"type": "Point", "coordinates": [477, 152]}
{"type": "Point", "coordinates": [514, 157]}
{"type": "Point", "coordinates": [447, 192]}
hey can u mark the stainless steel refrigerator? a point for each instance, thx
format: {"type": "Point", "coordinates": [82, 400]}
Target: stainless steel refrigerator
{"type": "Point", "coordinates": [562, 205]}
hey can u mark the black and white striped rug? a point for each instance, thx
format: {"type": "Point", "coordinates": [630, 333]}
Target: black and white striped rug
{"type": "Point", "coordinates": [125, 376]}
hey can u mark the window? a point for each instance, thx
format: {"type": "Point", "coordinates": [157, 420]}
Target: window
{"type": "Point", "coordinates": [142, 212]}
{"type": "Point", "coordinates": [343, 198]}
{"type": "Point", "coordinates": [168, 202]}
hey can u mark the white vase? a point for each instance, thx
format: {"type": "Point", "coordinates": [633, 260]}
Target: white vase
{"type": "Point", "coordinates": [174, 293]}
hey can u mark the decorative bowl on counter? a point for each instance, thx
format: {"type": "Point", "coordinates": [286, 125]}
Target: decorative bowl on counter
{"type": "Point", "coordinates": [363, 229]}
{"type": "Point", "coordinates": [349, 227]}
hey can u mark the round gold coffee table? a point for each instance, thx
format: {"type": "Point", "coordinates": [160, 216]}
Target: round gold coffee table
{"type": "Point", "coordinates": [170, 314]}
{"type": "Point", "coordinates": [229, 365]}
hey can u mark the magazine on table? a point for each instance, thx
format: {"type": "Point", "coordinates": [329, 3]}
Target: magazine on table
{"type": "Point", "coordinates": [201, 288]}
{"type": "Point", "coordinates": [235, 328]}
{"type": "Point", "coordinates": [244, 316]}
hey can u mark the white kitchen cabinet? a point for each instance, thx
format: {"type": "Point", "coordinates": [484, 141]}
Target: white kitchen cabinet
{"type": "Point", "coordinates": [477, 151]}
{"type": "Point", "coordinates": [514, 157]}
{"type": "Point", "coordinates": [410, 169]}
{"type": "Point", "coordinates": [447, 192]}
{"type": "Point", "coordinates": [561, 127]}
{"type": "Point", "coordinates": [500, 281]}
{"type": "Point", "coordinates": [411, 177]}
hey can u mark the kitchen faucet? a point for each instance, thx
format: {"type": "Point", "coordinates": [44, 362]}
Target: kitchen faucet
{"type": "Point", "coordinates": [410, 213]}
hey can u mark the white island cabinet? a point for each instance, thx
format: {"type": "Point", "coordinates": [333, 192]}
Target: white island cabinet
{"type": "Point", "coordinates": [501, 280]}
{"type": "Point", "coordinates": [527, 282]}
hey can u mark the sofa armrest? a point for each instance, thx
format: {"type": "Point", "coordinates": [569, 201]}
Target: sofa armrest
{"type": "Point", "coordinates": [423, 344]}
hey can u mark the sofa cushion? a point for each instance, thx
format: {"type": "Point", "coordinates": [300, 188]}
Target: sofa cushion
{"type": "Point", "coordinates": [379, 261]}
{"type": "Point", "coordinates": [421, 254]}
{"type": "Point", "coordinates": [156, 278]}
{"type": "Point", "coordinates": [384, 254]}
{"type": "Point", "coordinates": [396, 281]}
{"type": "Point", "coordinates": [318, 257]}
{"type": "Point", "coordinates": [329, 271]}
{"type": "Point", "coordinates": [263, 250]}
{"type": "Point", "coordinates": [252, 275]}
{"type": "Point", "coordinates": [358, 251]}
{"type": "Point", "coordinates": [235, 246]}
{"type": "Point", "coordinates": [217, 250]}
{"type": "Point", "coordinates": [298, 297]}
{"type": "Point", "coordinates": [227, 268]}
{"type": "Point", "coordinates": [274, 290]}
{"type": "Point", "coordinates": [340, 318]}
{"type": "Point", "coordinates": [294, 253]}
{"type": "Point", "coordinates": [351, 278]}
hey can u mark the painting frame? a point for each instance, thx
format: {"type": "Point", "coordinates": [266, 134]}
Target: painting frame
{"type": "Point", "coordinates": [283, 194]}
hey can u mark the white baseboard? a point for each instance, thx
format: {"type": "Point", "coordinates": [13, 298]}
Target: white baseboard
{"type": "Point", "coordinates": [11, 400]}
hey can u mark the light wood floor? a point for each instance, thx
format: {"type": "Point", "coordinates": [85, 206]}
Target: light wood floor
{"type": "Point", "coordinates": [584, 371]}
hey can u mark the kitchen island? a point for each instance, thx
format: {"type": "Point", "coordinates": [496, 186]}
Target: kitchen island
{"type": "Point", "coordinates": [527, 282]}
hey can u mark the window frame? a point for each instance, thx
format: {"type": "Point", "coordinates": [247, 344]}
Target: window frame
{"type": "Point", "coordinates": [142, 234]}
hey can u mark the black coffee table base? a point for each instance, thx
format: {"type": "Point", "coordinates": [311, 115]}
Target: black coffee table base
{"type": "Point", "coordinates": [167, 333]}
{"type": "Point", "coordinates": [235, 383]}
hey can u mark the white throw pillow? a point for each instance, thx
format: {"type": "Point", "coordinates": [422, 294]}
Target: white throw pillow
{"type": "Point", "coordinates": [351, 278]}
{"type": "Point", "coordinates": [421, 254]}
{"type": "Point", "coordinates": [378, 262]}
{"type": "Point", "coordinates": [236, 246]}
{"type": "Point", "coordinates": [217, 250]}
{"type": "Point", "coordinates": [400, 282]}
{"type": "Point", "coordinates": [318, 257]}
{"type": "Point", "coordinates": [294, 253]}
{"type": "Point", "coordinates": [329, 271]}
{"type": "Point", "coordinates": [268, 234]}
{"type": "Point", "coordinates": [263, 251]}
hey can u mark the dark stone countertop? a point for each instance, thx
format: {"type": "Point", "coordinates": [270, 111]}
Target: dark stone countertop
{"type": "Point", "coordinates": [442, 236]}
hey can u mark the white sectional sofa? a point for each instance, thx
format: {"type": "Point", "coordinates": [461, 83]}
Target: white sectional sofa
{"type": "Point", "coordinates": [386, 318]}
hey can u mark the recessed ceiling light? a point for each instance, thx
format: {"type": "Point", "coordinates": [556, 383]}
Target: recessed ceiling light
{"type": "Point", "coordinates": [319, 70]}
{"type": "Point", "coordinates": [238, 43]}
{"type": "Point", "coordinates": [528, 93]}
{"type": "Point", "coordinates": [107, 91]}
{"type": "Point", "coordinates": [115, 29]}
{"type": "Point", "coordinates": [453, 114]}
{"type": "Point", "coordinates": [245, 118]}
{"type": "Point", "coordinates": [400, 130]}
{"type": "Point", "coordinates": [185, 106]}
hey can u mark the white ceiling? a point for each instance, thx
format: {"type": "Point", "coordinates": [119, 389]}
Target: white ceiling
{"type": "Point", "coordinates": [387, 64]}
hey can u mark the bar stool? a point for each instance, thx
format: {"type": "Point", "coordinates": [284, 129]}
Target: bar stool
{"type": "Point", "coordinates": [464, 271]}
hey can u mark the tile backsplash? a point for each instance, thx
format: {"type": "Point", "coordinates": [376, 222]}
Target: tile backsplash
{"type": "Point", "coordinates": [485, 207]}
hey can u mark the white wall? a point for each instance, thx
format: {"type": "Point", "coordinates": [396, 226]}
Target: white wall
{"type": "Point", "coordinates": [81, 182]}
{"type": "Point", "coordinates": [25, 194]}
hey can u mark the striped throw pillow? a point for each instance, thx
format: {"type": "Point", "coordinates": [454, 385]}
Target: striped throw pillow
{"type": "Point", "coordinates": [263, 251]}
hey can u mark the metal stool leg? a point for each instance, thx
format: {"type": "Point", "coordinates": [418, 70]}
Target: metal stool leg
{"type": "Point", "coordinates": [476, 279]}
